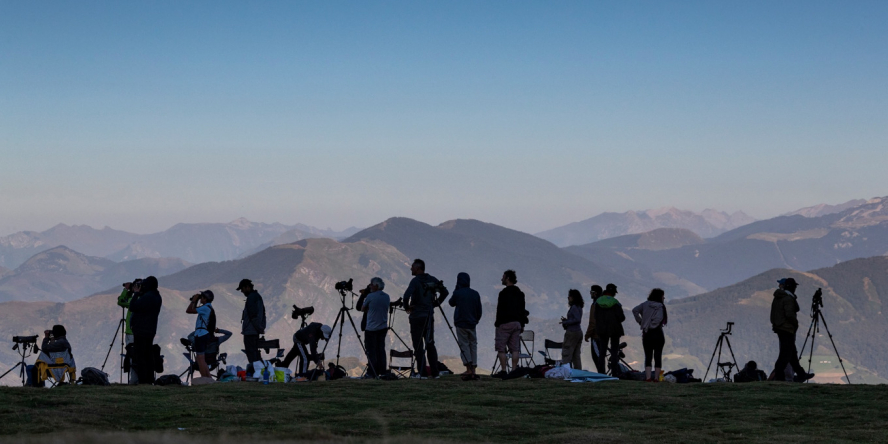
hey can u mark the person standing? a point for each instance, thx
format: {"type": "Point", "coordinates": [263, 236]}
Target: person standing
{"type": "Point", "coordinates": [511, 317]}
{"type": "Point", "coordinates": [420, 302]}
{"type": "Point", "coordinates": [466, 315]}
{"type": "Point", "coordinates": [145, 307]}
{"type": "Point", "coordinates": [204, 327]}
{"type": "Point", "coordinates": [784, 322]}
{"type": "Point", "coordinates": [591, 336]}
{"type": "Point", "coordinates": [609, 319]}
{"type": "Point", "coordinates": [573, 333]}
{"type": "Point", "coordinates": [252, 322]}
{"type": "Point", "coordinates": [130, 289]}
{"type": "Point", "coordinates": [376, 307]}
{"type": "Point", "coordinates": [651, 316]}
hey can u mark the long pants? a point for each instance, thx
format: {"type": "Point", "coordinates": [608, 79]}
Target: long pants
{"type": "Point", "coordinates": [144, 360]}
{"type": "Point", "coordinates": [788, 355]}
{"type": "Point", "coordinates": [612, 345]}
{"type": "Point", "coordinates": [298, 351]}
{"type": "Point", "coordinates": [597, 356]}
{"type": "Point", "coordinates": [374, 341]}
{"type": "Point", "coordinates": [468, 345]}
{"type": "Point", "coordinates": [653, 342]}
{"type": "Point", "coordinates": [251, 348]}
{"type": "Point", "coordinates": [573, 345]}
{"type": "Point", "coordinates": [422, 332]}
{"type": "Point", "coordinates": [133, 377]}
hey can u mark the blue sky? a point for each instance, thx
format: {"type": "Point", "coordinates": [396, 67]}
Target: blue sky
{"type": "Point", "coordinates": [525, 114]}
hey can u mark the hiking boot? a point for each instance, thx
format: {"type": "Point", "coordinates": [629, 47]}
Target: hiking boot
{"type": "Point", "coordinates": [803, 377]}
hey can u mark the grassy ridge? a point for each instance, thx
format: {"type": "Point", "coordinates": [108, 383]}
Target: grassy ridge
{"type": "Point", "coordinates": [529, 411]}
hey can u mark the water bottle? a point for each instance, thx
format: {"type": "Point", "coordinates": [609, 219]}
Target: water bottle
{"type": "Point", "coordinates": [265, 375]}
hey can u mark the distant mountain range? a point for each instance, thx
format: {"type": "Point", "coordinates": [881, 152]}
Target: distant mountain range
{"type": "Point", "coordinates": [795, 242]}
{"type": "Point", "coordinates": [709, 223]}
{"type": "Point", "coordinates": [193, 243]}
{"type": "Point", "coordinates": [824, 209]}
{"type": "Point", "coordinates": [61, 275]}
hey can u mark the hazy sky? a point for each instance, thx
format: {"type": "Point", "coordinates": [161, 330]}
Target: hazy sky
{"type": "Point", "coordinates": [530, 115]}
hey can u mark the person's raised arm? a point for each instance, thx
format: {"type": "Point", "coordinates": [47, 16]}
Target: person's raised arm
{"type": "Point", "coordinates": [192, 307]}
{"type": "Point", "coordinates": [636, 312]}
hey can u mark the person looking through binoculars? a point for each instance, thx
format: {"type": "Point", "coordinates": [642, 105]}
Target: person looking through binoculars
{"type": "Point", "coordinates": [375, 307]}
{"type": "Point", "coordinates": [307, 337]}
{"type": "Point", "coordinates": [204, 327]}
{"type": "Point", "coordinates": [420, 301]}
{"type": "Point", "coordinates": [145, 307]}
{"type": "Point", "coordinates": [130, 289]}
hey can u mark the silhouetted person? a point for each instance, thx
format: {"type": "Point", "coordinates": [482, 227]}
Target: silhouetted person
{"type": "Point", "coordinates": [420, 301]}
{"type": "Point", "coordinates": [145, 307]}
{"type": "Point", "coordinates": [784, 322]}
{"type": "Point", "coordinates": [252, 322]}
{"type": "Point", "coordinates": [651, 317]}
{"type": "Point", "coordinates": [466, 314]}
{"type": "Point", "coordinates": [573, 333]}
{"type": "Point", "coordinates": [591, 336]}
{"type": "Point", "coordinates": [204, 327]}
{"type": "Point", "coordinates": [609, 319]}
{"type": "Point", "coordinates": [126, 295]}
{"type": "Point", "coordinates": [376, 307]}
{"type": "Point", "coordinates": [511, 317]}
{"type": "Point", "coordinates": [305, 346]}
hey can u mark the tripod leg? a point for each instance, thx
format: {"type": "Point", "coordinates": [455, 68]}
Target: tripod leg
{"type": "Point", "coordinates": [814, 329]}
{"type": "Point", "coordinates": [333, 327]}
{"type": "Point", "coordinates": [113, 340]}
{"type": "Point", "coordinates": [461, 352]}
{"type": "Point", "coordinates": [357, 335]}
{"type": "Point", "coordinates": [717, 347]}
{"type": "Point", "coordinates": [842, 363]}
{"type": "Point", "coordinates": [731, 349]}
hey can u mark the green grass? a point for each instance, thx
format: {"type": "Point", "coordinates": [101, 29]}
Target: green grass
{"type": "Point", "coordinates": [450, 410]}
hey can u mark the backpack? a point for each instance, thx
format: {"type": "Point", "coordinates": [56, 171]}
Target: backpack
{"type": "Point", "coordinates": [168, 380]}
{"type": "Point", "coordinates": [337, 373]}
{"type": "Point", "coordinates": [93, 376]}
{"type": "Point", "coordinates": [158, 359]}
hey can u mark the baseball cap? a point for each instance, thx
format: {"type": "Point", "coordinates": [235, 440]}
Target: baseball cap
{"type": "Point", "coordinates": [326, 331]}
{"type": "Point", "coordinates": [243, 283]}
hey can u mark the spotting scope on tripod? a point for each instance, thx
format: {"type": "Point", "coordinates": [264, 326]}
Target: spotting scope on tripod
{"type": "Point", "coordinates": [25, 346]}
{"type": "Point", "coordinates": [816, 319]}
{"type": "Point", "coordinates": [724, 367]}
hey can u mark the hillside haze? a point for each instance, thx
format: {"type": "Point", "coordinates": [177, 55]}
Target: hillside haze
{"type": "Point", "coordinates": [709, 223]}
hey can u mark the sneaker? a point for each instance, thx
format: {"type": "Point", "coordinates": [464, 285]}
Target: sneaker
{"type": "Point", "coordinates": [803, 377]}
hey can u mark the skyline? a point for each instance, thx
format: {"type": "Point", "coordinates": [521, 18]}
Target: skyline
{"type": "Point", "coordinates": [525, 115]}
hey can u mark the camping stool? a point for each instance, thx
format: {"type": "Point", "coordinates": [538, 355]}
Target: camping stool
{"type": "Point", "coordinates": [400, 370]}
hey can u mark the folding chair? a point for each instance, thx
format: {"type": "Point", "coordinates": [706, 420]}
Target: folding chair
{"type": "Point", "coordinates": [55, 366]}
{"type": "Point", "coordinates": [552, 345]}
{"type": "Point", "coordinates": [401, 371]}
{"type": "Point", "coordinates": [525, 359]}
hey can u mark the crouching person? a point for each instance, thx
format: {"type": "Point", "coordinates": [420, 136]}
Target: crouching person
{"type": "Point", "coordinates": [305, 346]}
{"type": "Point", "coordinates": [466, 315]}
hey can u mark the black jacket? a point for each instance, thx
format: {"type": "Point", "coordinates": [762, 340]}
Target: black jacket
{"type": "Point", "coordinates": [145, 309]}
{"type": "Point", "coordinates": [510, 307]}
{"type": "Point", "coordinates": [55, 345]}
{"type": "Point", "coordinates": [467, 302]}
{"type": "Point", "coordinates": [253, 316]}
{"type": "Point", "coordinates": [422, 303]}
{"type": "Point", "coordinates": [609, 317]}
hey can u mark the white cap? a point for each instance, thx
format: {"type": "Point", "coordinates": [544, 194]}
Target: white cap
{"type": "Point", "coordinates": [326, 331]}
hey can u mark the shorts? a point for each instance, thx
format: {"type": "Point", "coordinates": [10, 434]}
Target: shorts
{"type": "Point", "coordinates": [508, 335]}
{"type": "Point", "coordinates": [200, 344]}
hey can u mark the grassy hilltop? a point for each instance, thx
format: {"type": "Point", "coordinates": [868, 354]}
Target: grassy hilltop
{"type": "Point", "coordinates": [448, 410]}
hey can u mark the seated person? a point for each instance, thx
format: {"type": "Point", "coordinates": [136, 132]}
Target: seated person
{"type": "Point", "coordinates": [307, 337]}
{"type": "Point", "coordinates": [54, 341]}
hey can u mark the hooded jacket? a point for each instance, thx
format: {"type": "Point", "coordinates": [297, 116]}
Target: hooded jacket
{"type": "Point", "coordinates": [609, 317]}
{"type": "Point", "coordinates": [467, 302]}
{"type": "Point", "coordinates": [784, 309]}
{"type": "Point", "coordinates": [650, 314]}
{"type": "Point", "coordinates": [422, 303]}
{"type": "Point", "coordinates": [145, 308]}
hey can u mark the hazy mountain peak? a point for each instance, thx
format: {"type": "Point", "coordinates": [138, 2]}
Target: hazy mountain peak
{"type": "Point", "coordinates": [825, 209]}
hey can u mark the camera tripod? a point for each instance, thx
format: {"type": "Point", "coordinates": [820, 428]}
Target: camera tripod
{"type": "Point", "coordinates": [24, 350]}
{"type": "Point", "coordinates": [345, 312]}
{"type": "Point", "coordinates": [121, 328]}
{"type": "Point", "coordinates": [611, 370]}
{"type": "Point", "coordinates": [814, 328]}
{"type": "Point", "coordinates": [724, 367]}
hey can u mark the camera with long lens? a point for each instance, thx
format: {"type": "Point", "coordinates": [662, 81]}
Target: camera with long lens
{"type": "Point", "coordinates": [304, 311]}
{"type": "Point", "coordinates": [344, 285]}
{"type": "Point", "coordinates": [25, 339]}
{"type": "Point", "coordinates": [817, 300]}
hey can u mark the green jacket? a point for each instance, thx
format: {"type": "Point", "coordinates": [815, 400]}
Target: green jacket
{"type": "Point", "coordinates": [124, 301]}
{"type": "Point", "coordinates": [784, 312]}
